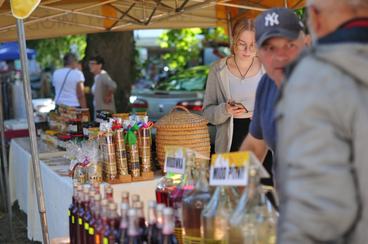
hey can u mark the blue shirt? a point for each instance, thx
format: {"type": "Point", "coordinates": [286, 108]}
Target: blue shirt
{"type": "Point", "coordinates": [263, 124]}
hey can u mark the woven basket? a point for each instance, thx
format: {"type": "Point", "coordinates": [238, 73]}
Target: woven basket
{"type": "Point", "coordinates": [182, 128]}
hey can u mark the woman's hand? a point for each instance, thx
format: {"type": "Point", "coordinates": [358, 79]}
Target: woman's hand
{"type": "Point", "coordinates": [235, 109]}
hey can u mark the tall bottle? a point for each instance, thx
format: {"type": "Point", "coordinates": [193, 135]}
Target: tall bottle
{"type": "Point", "coordinates": [95, 210]}
{"type": "Point", "coordinates": [81, 212]}
{"type": "Point", "coordinates": [168, 236]}
{"type": "Point", "coordinates": [141, 220]}
{"type": "Point", "coordinates": [152, 229]}
{"type": "Point", "coordinates": [160, 220]}
{"type": "Point", "coordinates": [123, 228]}
{"type": "Point", "coordinates": [133, 229]}
{"type": "Point", "coordinates": [215, 216]}
{"type": "Point", "coordinates": [111, 235]}
{"type": "Point", "coordinates": [71, 215]}
{"type": "Point", "coordinates": [253, 220]}
{"type": "Point", "coordinates": [101, 224]}
{"type": "Point", "coordinates": [194, 202]}
{"type": "Point", "coordinates": [88, 214]}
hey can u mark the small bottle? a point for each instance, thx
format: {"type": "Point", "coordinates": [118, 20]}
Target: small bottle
{"type": "Point", "coordinates": [88, 214]}
{"type": "Point", "coordinates": [95, 209]}
{"type": "Point", "coordinates": [101, 224]}
{"type": "Point", "coordinates": [123, 228]}
{"type": "Point", "coordinates": [152, 230]}
{"type": "Point", "coordinates": [168, 227]}
{"type": "Point", "coordinates": [141, 220]}
{"type": "Point", "coordinates": [135, 198]}
{"type": "Point", "coordinates": [125, 197]}
{"type": "Point", "coordinates": [71, 212]}
{"type": "Point", "coordinates": [133, 229]}
{"type": "Point", "coordinates": [111, 233]}
{"type": "Point", "coordinates": [109, 192]}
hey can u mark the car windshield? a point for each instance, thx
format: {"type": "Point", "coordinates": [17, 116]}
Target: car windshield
{"type": "Point", "coordinates": [193, 79]}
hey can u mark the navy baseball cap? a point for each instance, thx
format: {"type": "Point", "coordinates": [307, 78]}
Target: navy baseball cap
{"type": "Point", "coordinates": [277, 22]}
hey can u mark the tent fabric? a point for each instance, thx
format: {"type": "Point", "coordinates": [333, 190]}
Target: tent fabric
{"type": "Point", "coordinates": [10, 51]}
{"type": "Point", "coordinates": [53, 18]}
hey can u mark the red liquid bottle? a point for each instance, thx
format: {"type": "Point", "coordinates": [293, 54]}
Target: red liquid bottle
{"type": "Point", "coordinates": [72, 213]}
{"type": "Point", "coordinates": [163, 189]}
{"type": "Point", "coordinates": [88, 214]}
{"type": "Point", "coordinates": [111, 233]}
{"type": "Point", "coordinates": [101, 223]}
{"type": "Point", "coordinates": [95, 216]}
{"type": "Point", "coordinates": [168, 236]}
{"type": "Point", "coordinates": [152, 229]}
{"type": "Point", "coordinates": [123, 228]}
{"type": "Point", "coordinates": [81, 211]}
{"type": "Point", "coordinates": [133, 228]}
{"type": "Point", "coordinates": [141, 220]}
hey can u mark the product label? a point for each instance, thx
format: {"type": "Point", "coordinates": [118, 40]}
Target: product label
{"type": "Point", "coordinates": [91, 231]}
{"type": "Point", "coordinates": [86, 226]}
{"type": "Point", "coordinates": [97, 239]}
{"type": "Point", "coordinates": [69, 213]}
{"type": "Point", "coordinates": [175, 159]}
{"type": "Point", "coordinates": [73, 220]}
{"type": "Point", "coordinates": [80, 221]}
{"type": "Point", "coordinates": [72, 128]}
{"type": "Point", "coordinates": [231, 169]}
{"type": "Point", "coordinates": [105, 240]}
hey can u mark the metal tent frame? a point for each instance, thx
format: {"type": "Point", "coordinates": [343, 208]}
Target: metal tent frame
{"type": "Point", "coordinates": [151, 12]}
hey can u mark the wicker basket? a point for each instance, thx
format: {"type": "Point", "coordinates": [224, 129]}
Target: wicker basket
{"type": "Point", "coordinates": [182, 128]}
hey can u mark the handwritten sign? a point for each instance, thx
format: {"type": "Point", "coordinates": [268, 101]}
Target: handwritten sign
{"type": "Point", "coordinates": [175, 159]}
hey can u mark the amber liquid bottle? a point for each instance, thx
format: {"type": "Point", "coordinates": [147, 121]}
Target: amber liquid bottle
{"type": "Point", "coordinates": [111, 235]}
{"type": "Point", "coordinates": [71, 212]}
{"type": "Point", "coordinates": [123, 228]}
{"type": "Point", "coordinates": [101, 224]}
{"type": "Point", "coordinates": [168, 236]}
{"type": "Point", "coordinates": [152, 229]}
{"type": "Point", "coordinates": [193, 203]}
{"type": "Point", "coordinates": [95, 210]}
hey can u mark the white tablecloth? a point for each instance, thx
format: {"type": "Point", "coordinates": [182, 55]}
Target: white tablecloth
{"type": "Point", "coordinates": [57, 189]}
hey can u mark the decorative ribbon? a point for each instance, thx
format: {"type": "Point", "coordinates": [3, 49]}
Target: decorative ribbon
{"type": "Point", "coordinates": [130, 137]}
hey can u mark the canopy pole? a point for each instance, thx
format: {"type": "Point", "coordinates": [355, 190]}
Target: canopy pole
{"type": "Point", "coordinates": [32, 131]}
{"type": "Point", "coordinates": [6, 168]}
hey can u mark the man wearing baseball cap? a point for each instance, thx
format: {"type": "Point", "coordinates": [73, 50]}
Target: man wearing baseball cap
{"type": "Point", "coordinates": [280, 39]}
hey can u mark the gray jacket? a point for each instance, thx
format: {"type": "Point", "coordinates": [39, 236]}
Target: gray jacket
{"type": "Point", "coordinates": [214, 106]}
{"type": "Point", "coordinates": [322, 148]}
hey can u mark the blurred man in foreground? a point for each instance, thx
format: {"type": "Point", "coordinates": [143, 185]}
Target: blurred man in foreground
{"type": "Point", "coordinates": [322, 122]}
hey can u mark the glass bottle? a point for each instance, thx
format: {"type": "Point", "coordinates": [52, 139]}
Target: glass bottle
{"type": "Point", "coordinates": [95, 210]}
{"type": "Point", "coordinates": [72, 236]}
{"type": "Point", "coordinates": [253, 220]}
{"type": "Point", "coordinates": [88, 214]}
{"type": "Point", "coordinates": [123, 228]}
{"type": "Point", "coordinates": [101, 224]}
{"type": "Point", "coordinates": [194, 202]}
{"type": "Point", "coordinates": [152, 230]}
{"type": "Point", "coordinates": [125, 197]}
{"type": "Point", "coordinates": [215, 216]}
{"type": "Point", "coordinates": [168, 236]}
{"type": "Point", "coordinates": [81, 212]}
{"type": "Point", "coordinates": [111, 233]}
{"type": "Point", "coordinates": [133, 229]}
{"type": "Point", "coordinates": [141, 220]}
{"type": "Point", "coordinates": [160, 219]}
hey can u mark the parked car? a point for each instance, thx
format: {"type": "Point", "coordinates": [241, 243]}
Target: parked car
{"type": "Point", "coordinates": [185, 89]}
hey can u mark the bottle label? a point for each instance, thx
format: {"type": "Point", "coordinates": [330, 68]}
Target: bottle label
{"type": "Point", "coordinates": [69, 213]}
{"type": "Point", "coordinates": [73, 220]}
{"type": "Point", "coordinates": [105, 240]}
{"type": "Point", "coordinates": [97, 239]}
{"type": "Point", "coordinates": [175, 159]}
{"type": "Point", "coordinates": [80, 221]}
{"type": "Point", "coordinates": [86, 226]}
{"type": "Point", "coordinates": [91, 231]}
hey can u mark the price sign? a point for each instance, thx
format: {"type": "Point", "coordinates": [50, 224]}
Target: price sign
{"type": "Point", "coordinates": [175, 159]}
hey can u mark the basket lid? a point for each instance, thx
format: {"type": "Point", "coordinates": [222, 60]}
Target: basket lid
{"type": "Point", "coordinates": [181, 117]}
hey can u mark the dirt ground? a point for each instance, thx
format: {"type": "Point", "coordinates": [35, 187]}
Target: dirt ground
{"type": "Point", "coordinates": [19, 226]}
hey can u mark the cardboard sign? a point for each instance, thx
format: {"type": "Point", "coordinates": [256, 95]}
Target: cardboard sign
{"type": "Point", "coordinates": [175, 159]}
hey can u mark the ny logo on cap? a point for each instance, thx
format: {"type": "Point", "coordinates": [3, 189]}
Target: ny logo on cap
{"type": "Point", "coordinates": [272, 19]}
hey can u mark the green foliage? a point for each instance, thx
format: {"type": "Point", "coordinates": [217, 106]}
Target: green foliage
{"type": "Point", "coordinates": [50, 52]}
{"type": "Point", "coordinates": [185, 46]}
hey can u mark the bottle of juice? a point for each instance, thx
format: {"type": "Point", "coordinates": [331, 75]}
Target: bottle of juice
{"type": "Point", "coordinates": [88, 214]}
{"type": "Point", "coordinates": [95, 210]}
{"type": "Point", "coordinates": [101, 224]}
{"type": "Point", "coordinates": [72, 234]}
{"type": "Point", "coordinates": [81, 212]}
{"type": "Point", "coordinates": [194, 202]}
{"type": "Point", "coordinates": [123, 228]}
{"type": "Point", "coordinates": [111, 233]}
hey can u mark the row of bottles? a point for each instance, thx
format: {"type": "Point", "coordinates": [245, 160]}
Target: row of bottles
{"type": "Point", "coordinates": [95, 219]}
{"type": "Point", "coordinates": [225, 216]}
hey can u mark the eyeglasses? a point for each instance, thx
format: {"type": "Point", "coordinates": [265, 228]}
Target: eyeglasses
{"type": "Point", "coordinates": [92, 62]}
{"type": "Point", "coordinates": [244, 46]}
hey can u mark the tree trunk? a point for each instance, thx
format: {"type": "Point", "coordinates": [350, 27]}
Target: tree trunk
{"type": "Point", "coordinates": [117, 49]}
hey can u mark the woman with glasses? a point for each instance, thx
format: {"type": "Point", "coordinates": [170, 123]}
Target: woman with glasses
{"type": "Point", "coordinates": [231, 88]}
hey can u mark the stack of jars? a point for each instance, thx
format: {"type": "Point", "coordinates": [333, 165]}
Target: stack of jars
{"type": "Point", "coordinates": [120, 151]}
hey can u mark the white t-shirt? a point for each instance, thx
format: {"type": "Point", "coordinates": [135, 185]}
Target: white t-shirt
{"type": "Point", "coordinates": [68, 95]}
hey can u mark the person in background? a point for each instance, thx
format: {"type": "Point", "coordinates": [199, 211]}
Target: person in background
{"type": "Point", "coordinates": [103, 87]}
{"type": "Point", "coordinates": [231, 87]}
{"type": "Point", "coordinates": [69, 84]}
{"type": "Point", "coordinates": [323, 130]}
{"type": "Point", "coordinates": [280, 40]}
